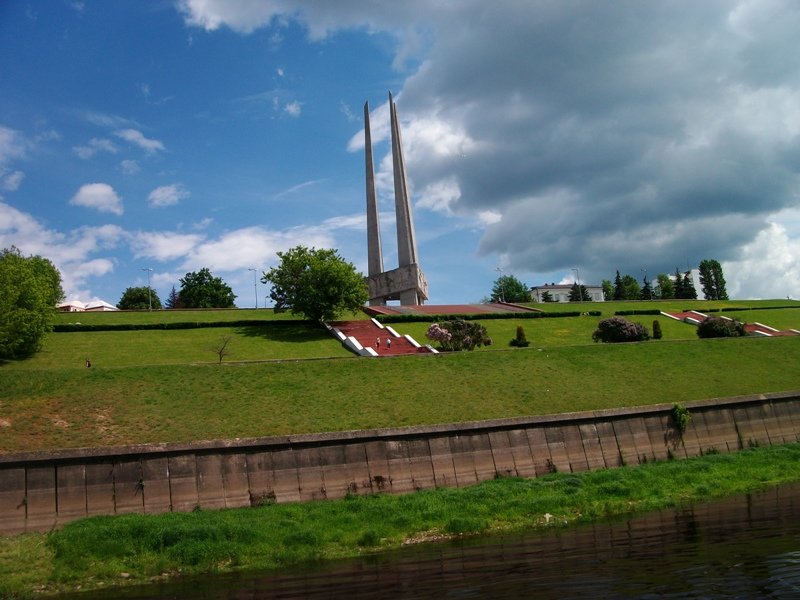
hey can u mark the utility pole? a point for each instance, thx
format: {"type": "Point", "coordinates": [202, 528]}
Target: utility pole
{"type": "Point", "coordinates": [149, 291]}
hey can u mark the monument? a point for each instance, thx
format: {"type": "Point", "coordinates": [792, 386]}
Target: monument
{"type": "Point", "coordinates": [407, 282]}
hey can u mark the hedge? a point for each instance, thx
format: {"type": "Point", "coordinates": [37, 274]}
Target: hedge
{"type": "Point", "coordinates": [81, 327]}
{"type": "Point", "coordinates": [417, 318]}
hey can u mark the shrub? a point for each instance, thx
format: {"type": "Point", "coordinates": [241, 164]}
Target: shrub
{"type": "Point", "coordinates": [459, 334]}
{"type": "Point", "coordinates": [657, 335]}
{"type": "Point", "coordinates": [520, 341]}
{"type": "Point", "coordinates": [681, 417]}
{"type": "Point", "coordinates": [617, 329]}
{"type": "Point", "coordinates": [715, 327]}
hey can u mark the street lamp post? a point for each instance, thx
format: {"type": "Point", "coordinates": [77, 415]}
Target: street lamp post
{"type": "Point", "coordinates": [149, 292]}
{"type": "Point", "coordinates": [502, 286]}
{"type": "Point", "coordinates": [255, 286]}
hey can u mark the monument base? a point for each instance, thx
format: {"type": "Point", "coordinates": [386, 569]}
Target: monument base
{"type": "Point", "coordinates": [406, 284]}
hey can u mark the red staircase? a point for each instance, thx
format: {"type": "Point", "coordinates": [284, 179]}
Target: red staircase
{"type": "Point", "coordinates": [381, 339]}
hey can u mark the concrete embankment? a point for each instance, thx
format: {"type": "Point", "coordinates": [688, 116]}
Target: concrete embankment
{"type": "Point", "coordinates": [42, 490]}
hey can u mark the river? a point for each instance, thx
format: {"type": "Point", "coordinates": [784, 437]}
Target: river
{"type": "Point", "coordinates": [742, 547]}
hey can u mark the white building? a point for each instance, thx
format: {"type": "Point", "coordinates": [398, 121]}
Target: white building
{"type": "Point", "coordinates": [93, 306]}
{"type": "Point", "coordinates": [560, 292]}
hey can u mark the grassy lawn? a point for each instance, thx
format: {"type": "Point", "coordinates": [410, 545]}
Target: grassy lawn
{"type": "Point", "coordinates": [93, 552]}
{"type": "Point", "coordinates": [69, 407]}
{"type": "Point", "coordinates": [182, 346]}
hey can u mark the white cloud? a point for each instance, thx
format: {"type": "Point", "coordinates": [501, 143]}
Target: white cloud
{"type": "Point", "coordinates": [94, 146]}
{"type": "Point", "coordinates": [12, 145]}
{"type": "Point", "coordinates": [137, 138]}
{"type": "Point", "coordinates": [12, 181]}
{"type": "Point", "coordinates": [242, 248]}
{"type": "Point", "coordinates": [293, 109]}
{"type": "Point", "coordinates": [99, 196]}
{"type": "Point", "coordinates": [130, 167]}
{"type": "Point", "coordinates": [163, 245]}
{"type": "Point", "coordinates": [167, 195]}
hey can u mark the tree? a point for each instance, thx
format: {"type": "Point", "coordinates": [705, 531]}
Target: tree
{"type": "Point", "coordinates": [200, 289]}
{"type": "Point", "coordinates": [689, 291]}
{"type": "Point", "coordinates": [619, 290]}
{"type": "Point", "coordinates": [664, 287]}
{"type": "Point", "coordinates": [318, 284]}
{"type": "Point", "coordinates": [680, 292]}
{"type": "Point", "coordinates": [579, 293]}
{"type": "Point", "coordinates": [712, 280]}
{"type": "Point", "coordinates": [174, 299]}
{"type": "Point", "coordinates": [647, 290]}
{"type": "Point", "coordinates": [31, 288]}
{"type": "Point", "coordinates": [139, 298]}
{"type": "Point", "coordinates": [630, 288]}
{"type": "Point", "coordinates": [221, 348]}
{"type": "Point", "coordinates": [508, 288]}
{"type": "Point", "coordinates": [547, 296]}
{"type": "Point", "coordinates": [608, 290]}
{"type": "Point", "coordinates": [520, 340]}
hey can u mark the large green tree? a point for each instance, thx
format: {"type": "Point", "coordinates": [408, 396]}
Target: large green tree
{"type": "Point", "coordinates": [200, 289]}
{"type": "Point", "coordinates": [316, 283]}
{"type": "Point", "coordinates": [139, 298]}
{"type": "Point", "coordinates": [508, 288]}
{"type": "Point", "coordinates": [712, 280]}
{"type": "Point", "coordinates": [664, 287]}
{"type": "Point", "coordinates": [31, 288]}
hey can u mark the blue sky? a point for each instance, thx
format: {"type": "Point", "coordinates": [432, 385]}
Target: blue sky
{"type": "Point", "coordinates": [540, 137]}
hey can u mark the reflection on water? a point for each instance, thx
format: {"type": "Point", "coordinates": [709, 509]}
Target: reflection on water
{"type": "Point", "coordinates": [744, 547]}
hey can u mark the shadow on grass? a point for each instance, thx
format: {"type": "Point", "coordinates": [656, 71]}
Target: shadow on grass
{"type": "Point", "coordinates": [288, 332]}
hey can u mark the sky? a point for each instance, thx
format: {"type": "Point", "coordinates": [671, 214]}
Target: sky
{"type": "Point", "coordinates": [546, 139]}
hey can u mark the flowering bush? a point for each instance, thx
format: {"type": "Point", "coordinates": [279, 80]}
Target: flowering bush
{"type": "Point", "coordinates": [459, 334]}
{"type": "Point", "coordinates": [714, 327]}
{"type": "Point", "coordinates": [617, 329]}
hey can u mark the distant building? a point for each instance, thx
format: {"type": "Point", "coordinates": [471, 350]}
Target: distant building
{"type": "Point", "coordinates": [93, 306]}
{"type": "Point", "coordinates": [560, 292]}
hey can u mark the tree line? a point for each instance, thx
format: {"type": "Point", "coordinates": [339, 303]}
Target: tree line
{"type": "Point", "coordinates": [199, 289]}
{"type": "Point", "coordinates": [507, 288]}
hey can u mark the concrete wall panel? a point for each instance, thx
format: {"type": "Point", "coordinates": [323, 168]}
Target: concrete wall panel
{"type": "Point", "coordinates": [378, 466]}
{"type": "Point", "coordinates": [444, 471]}
{"type": "Point", "coordinates": [481, 449]}
{"type": "Point", "coordinates": [356, 457]}
{"type": "Point", "coordinates": [100, 488]}
{"type": "Point", "coordinates": [399, 466]}
{"type": "Point", "coordinates": [285, 471]}
{"type": "Point", "coordinates": [540, 451]}
{"type": "Point", "coordinates": [155, 479]}
{"type": "Point", "coordinates": [71, 495]}
{"type": "Point", "coordinates": [183, 482]}
{"type": "Point", "coordinates": [419, 455]}
{"type": "Point", "coordinates": [309, 473]}
{"type": "Point", "coordinates": [656, 426]}
{"type": "Point", "coordinates": [573, 442]}
{"type": "Point", "coordinates": [557, 448]}
{"type": "Point", "coordinates": [521, 451]}
{"type": "Point", "coordinates": [591, 446]}
{"type": "Point", "coordinates": [786, 421]}
{"type": "Point", "coordinates": [41, 498]}
{"type": "Point", "coordinates": [463, 460]}
{"type": "Point", "coordinates": [625, 442]}
{"type": "Point", "coordinates": [336, 471]}
{"type": "Point", "coordinates": [608, 443]}
{"type": "Point", "coordinates": [128, 487]}
{"type": "Point", "coordinates": [234, 480]}
{"type": "Point", "coordinates": [502, 453]}
{"type": "Point", "coordinates": [12, 500]}
{"type": "Point", "coordinates": [721, 430]}
{"type": "Point", "coordinates": [641, 438]}
{"type": "Point", "coordinates": [210, 488]}
{"type": "Point", "coordinates": [260, 478]}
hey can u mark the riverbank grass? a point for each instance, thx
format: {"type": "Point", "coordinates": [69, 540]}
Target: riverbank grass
{"type": "Point", "coordinates": [105, 551]}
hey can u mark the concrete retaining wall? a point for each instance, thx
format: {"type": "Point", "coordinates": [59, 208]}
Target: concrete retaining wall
{"type": "Point", "coordinates": [39, 491]}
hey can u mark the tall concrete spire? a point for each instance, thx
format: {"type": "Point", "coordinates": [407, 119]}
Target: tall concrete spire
{"type": "Point", "coordinates": [407, 282]}
{"type": "Point", "coordinates": [406, 238]}
{"type": "Point", "coordinates": [374, 249]}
